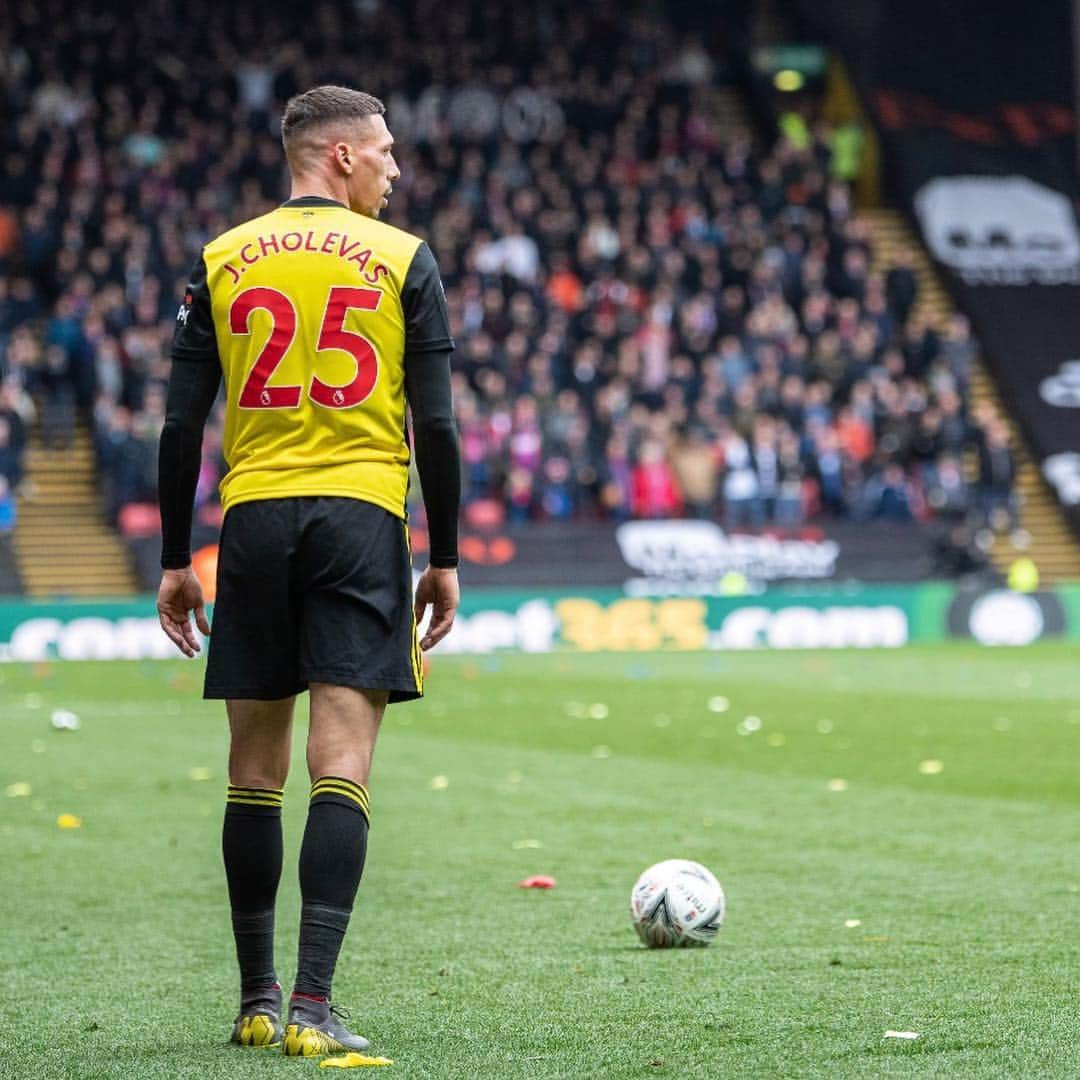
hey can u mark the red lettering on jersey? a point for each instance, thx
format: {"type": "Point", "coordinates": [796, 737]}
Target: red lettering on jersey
{"type": "Point", "coordinates": [243, 256]}
{"type": "Point", "coordinates": [292, 247]}
{"type": "Point", "coordinates": [328, 243]}
{"type": "Point", "coordinates": [232, 270]}
{"type": "Point", "coordinates": [346, 247]}
{"type": "Point", "coordinates": [377, 270]}
{"type": "Point", "coordinates": [361, 258]}
{"type": "Point", "coordinates": [266, 244]}
{"type": "Point", "coordinates": [309, 242]}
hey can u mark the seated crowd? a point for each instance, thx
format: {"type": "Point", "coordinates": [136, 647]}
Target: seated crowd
{"type": "Point", "coordinates": [654, 316]}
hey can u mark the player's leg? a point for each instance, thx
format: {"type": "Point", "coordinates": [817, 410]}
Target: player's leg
{"type": "Point", "coordinates": [357, 652]}
{"type": "Point", "coordinates": [341, 741]}
{"type": "Point", "coordinates": [259, 751]}
{"type": "Point", "coordinates": [253, 665]}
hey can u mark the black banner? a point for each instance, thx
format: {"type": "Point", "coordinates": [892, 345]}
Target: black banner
{"type": "Point", "coordinates": [974, 104]}
{"type": "Point", "coordinates": [647, 558]}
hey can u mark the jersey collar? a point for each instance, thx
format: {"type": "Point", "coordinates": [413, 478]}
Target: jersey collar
{"type": "Point", "coordinates": [314, 200]}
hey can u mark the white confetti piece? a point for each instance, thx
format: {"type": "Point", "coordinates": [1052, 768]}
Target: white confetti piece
{"type": "Point", "coordinates": [574, 709]}
{"type": "Point", "coordinates": [753, 723]}
{"type": "Point", "coordinates": [599, 711]}
{"type": "Point", "coordinates": [852, 923]}
{"type": "Point", "coordinates": [439, 783]}
{"type": "Point", "coordinates": [527, 844]}
{"type": "Point", "coordinates": [39, 746]}
{"type": "Point", "coordinates": [719, 704]}
{"type": "Point", "coordinates": [836, 784]}
{"type": "Point", "coordinates": [199, 772]}
{"type": "Point", "coordinates": [63, 720]}
{"type": "Point", "coordinates": [931, 767]}
{"type": "Point", "coordinates": [901, 1035]}
{"type": "Point", "coordinates": [825, 727]}
{"type": "Point", "coordinates": [18, 791]}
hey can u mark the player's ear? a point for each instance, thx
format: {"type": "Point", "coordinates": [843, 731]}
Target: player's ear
{"type": "Point", "coordinates": [343, 155]}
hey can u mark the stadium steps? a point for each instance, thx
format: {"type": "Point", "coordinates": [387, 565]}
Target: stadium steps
{"type": "Point", "coordinates": [63, 544]}
{"type": "Point", "coordinates": [1044, 534]}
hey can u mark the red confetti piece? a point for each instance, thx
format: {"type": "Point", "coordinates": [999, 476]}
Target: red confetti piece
{"type": "Point", "coordinates": [537, 881]}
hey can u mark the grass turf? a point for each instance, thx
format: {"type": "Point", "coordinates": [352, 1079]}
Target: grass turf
{"type": "Point", "coordinates": [116, 958]}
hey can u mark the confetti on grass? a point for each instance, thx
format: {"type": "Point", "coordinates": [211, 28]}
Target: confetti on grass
{"type": "Point", "coordinates": [199, 772]}
{"type": "Point", "coordinates": [901, 1035]}
{"type": "Point", "coordinates": [931, 767]}
{"type": "Point", "coordinates": [439, 783]}
{"type": "Point", "coordinates": [852, 923]}
{"type": "Point", "coordinates": [354, 1061]}
{"type": "Point", "coordinates": [537, 881]}
{"type": "Point", "coordinates": [69, 821]}
{"type": "Point", "coordinates": [836, 784]}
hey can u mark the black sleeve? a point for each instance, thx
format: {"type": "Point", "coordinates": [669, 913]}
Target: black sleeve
{"type": "Point", "coordinates": [193, 335]}
{"type": "Point", "coordinates": [427, 325]}
{"type": "Point", "coordinates": [193, 386]}
{"type": "Point", "coordinates": [435, 443]}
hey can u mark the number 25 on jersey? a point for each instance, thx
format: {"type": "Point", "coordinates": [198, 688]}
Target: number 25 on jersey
{"type": "Point", "coordinates": [257, 394]}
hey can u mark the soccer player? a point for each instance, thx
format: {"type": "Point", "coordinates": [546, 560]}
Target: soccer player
{"type": "Point", "coordinates": [324, 322]}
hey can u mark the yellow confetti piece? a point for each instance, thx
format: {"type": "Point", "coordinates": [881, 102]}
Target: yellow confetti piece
{"type": "Point", "coordinates": [69, 821]}
{"type": "Point", "coordinates": [439, 783]}
{"type": "Point", "coordinates": [354, 1061]}
{"type": "Point", "coordinates": [18, 791]}
{"type": "Point", "coordinates": [931, 767]}
{"type": "Point", "coordinates": [836, 784]}
{"type": "Point", "coordinates": [199, 772]}
{"type": "Point", "coordinates": [852, 923]}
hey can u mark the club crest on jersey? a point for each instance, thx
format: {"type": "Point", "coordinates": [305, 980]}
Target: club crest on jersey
{"type": "Point", "coordinates": [185, 309]}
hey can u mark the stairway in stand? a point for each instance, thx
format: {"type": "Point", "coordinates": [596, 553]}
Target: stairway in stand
{"type": "Point", "coordinates": [63, 543]}
{"type": "Point", "coordinates": [1052, 546]}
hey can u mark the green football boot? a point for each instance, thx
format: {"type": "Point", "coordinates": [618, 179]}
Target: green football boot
{"type": "Point", "coordinates": [315, 1027]}
{"type": "Point", "coordinates": [259, 1022]}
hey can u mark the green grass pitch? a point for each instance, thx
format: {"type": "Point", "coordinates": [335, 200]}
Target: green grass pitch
{"type": "Point", "coordinates": [964, 877]}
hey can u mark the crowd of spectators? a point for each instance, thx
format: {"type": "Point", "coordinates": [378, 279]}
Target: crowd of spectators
{"type": "Point", "coordinates": [654, 316]}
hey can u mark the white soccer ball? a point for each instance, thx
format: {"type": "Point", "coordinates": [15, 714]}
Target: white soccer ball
{"type": "Point", "coordinates": [677, 904]}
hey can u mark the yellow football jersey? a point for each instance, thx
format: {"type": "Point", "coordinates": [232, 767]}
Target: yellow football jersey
{"type": "Point", "coordinates": [311, 307]}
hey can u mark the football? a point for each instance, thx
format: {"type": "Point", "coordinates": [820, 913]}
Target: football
{"type": "Point", "coordinates": [677, 904]}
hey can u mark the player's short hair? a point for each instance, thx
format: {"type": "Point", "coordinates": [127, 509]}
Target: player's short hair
{"type": "Point", "coordinates": [307, 111]}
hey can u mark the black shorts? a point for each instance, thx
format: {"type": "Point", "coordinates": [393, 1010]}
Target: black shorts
{"type": "Point", "coordinates": [313, 590]}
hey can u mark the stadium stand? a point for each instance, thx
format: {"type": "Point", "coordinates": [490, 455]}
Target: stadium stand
{"type": "Point", "coordinates": [655, 317]}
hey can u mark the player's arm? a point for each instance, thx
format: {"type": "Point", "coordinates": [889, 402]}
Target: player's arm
{"type": "Point", "coordinates": [428, 347]}
{"type": "Point", "coordinates": [193, 386]}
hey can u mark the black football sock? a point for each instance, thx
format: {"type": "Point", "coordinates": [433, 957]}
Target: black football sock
{"type": "Point", "coordinates": [331, 862]}
{"type": "Point", "coordinates": [251, 844]}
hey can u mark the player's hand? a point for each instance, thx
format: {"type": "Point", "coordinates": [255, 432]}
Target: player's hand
{"type": "Point", "coordinates": [439, 588]}
{"type": "Point", "coordinates": [179, 594]}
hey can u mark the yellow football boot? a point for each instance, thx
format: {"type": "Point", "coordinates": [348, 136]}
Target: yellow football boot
{"type": "Point", "coordinates": [259, 1022]}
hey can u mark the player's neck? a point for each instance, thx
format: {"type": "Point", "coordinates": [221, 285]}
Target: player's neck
{"type": "Point", "coordinates": [317, 187]}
